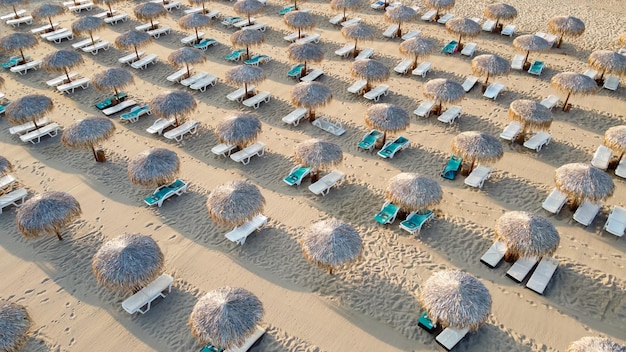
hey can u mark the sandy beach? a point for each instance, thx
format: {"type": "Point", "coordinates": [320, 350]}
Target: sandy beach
{"type": "Point", "coordinates": [372, 304]}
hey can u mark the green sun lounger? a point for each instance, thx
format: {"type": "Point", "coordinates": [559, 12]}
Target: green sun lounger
{"type": "Point", "coordinates": [452, 168]}
{"type": "Point", "coordinates": [205, 43]}
{"type": "Point", "coordinates": [286, 10]}
{"type": "Point", "coordinates": [235, 55]}
{"type": "Point", "coordinates": [296, 71]}
{"type": "Point", "coordinates": [415, 221]}
{"type": "Point", "coordinates": [536, 68]}
{"type": "Point", "coordinates": [255, 60]}
{"type": "Point", "coordinates": [451, 47]}
{"type": "Point", "coordinates": [108, 102]}
{"type": "Point", "coordinates": [387, 213]}
{"type": "Point", "coordinates": [390, 148]}
{"type": "Point", "coordinates": [162, 193]}
{"type": "Point", "coordinates": [3, 105]}
{"type": "Point", "coordinates": [369, 140]}
{"type": "Point", "coordinates": [296, 175]}
{"type": "Point", "coordinates": [425, 323]}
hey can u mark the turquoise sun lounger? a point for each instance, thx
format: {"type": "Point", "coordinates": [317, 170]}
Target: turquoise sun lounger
{"type": "Point", "coordinates": [452, 168]}
{"type": "Point", "coordinates": [108, 102]}
{"type": "Point", "coordinates": [369, 140]}
{"type": "Point", "coordinates": [296, 175]}
{"type": "Point", "coordinates": [451, 47]}
{"type": "Point", "coordinates": [235, 55]}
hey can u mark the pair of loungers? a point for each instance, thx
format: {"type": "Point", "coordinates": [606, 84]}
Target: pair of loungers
{"type": "Point", "coordinates": [321, 186]}
{"type": "Point", "coordinates": [413, 222]}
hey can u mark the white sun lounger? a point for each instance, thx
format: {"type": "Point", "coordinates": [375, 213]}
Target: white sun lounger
{"type": "Point", "coordinates": [550, 102]}
{"type": "Point", "coordinates": [178, 75]}
{"type": "Point", "coordinates": [509, 30]}
{"type": "Point", "coordinates": [257, 27]}
{"type": "Point", "coordinates": [365, 54]}
{"type": "Point", "coordinates": [611, 82]}
{"type": "Point", "coordinates": [172, 5]}
{"type": "Point", "coordinates": [403, 66]}
{"type": "Point", "coordinates": [119, 107]}
{"type": "Point", "coordinates": [494, 254]}
{"type": "Point", "coordinates": [357, 87]}
{"type": "Point", "coordinates": [555, 201]}
{"type": "Point", "coordinates": [429, 16]}
{"type": "Point", "coordinates": [591, 73]}
{"type": "Point", "coordinates": [244, 23]}
{"type": "Point", "coordinates": [312, 75]}
{"type": "Point", "coordinates": [493, 91]}
{"type": "Point", "coordinates": [243, 156]}
{"type": "Point", "coordinates": [23, 69]}
{"type": "Point", "coordinates": [193, 79]}
{"type": "Point", "coordinates": [469, 49]}
{"type": "Point", "coordinates": [511, 131]}
{"type": "Point", "coordinates": [57, 38]}
{"type": "Point", "coordinates": [293, 36]}
{"type": "Point", "coordinates": [616, 222]}
{"type": "Point", "coordinates": [223, 149]}
{"type": "Point", "coordinates": [537, 141]}
{"type": "Point", "coordinates": [422, 69]}
{"type": "Point", "coordinates": [601, 157]}
{"type": "Point", "coordinates": [53, 33]}
{"type": "Point", "coordinates": [156, 33]}
{"type": "Point", "coordinates": [135, 113]}
{"type": "Point", "coordinates": [377, 92]}
{"type": "Point", "coordinates": [130, 58]}
{"type": "Point", "coordinates": [391, 31]}
{"type": "Point", "coordinates": [35, 135]}
{"type": "Point", "coordinates": [146, 26]}
{"type": "Point", "coordinates": [345, 50]}
{"type": "Point", "coordinates": [191, 39]}
{"type": "Point", "coordinates": [329, 126]}
{"type": "Point", "coordinates": [350, 22]}
{"type": "Point", "coordinates": [311, 38]}
{"type": "Point", "coordinates": [256, 100]}
{"type": "Point", "coordinates": [60, 80]}
{"type": "Point", "coordinates": [586, 212]}
{"type": "Point", "coordinates": [520, 269]}
{"type": "Point", "coordinates": [203, 83]}
{"type": "Point", "coordinates": [87, 6]}
{"type": "Point", "coordinates": [240, 233]}
{"type": "Point", "coordinates": [142, 300]}
{"type": "Point", "coordinates": [489, 25]}
{"type": "Point", "coordinates": [239, 94]}
{"type": "Point", "coordinates": [469, 83]}
{"type": "Point", "coordinates": [21, 20]}
{"type": "Point", "coordinates": [621, 168]}
{"type": "Point", "coordinates": [294, 117]}
{"type": "Point", "coordinates": [179, 132]}
{"type": "Point", "coordinates": [542, 275]}
{"type": "Point", "coordinates": [70, 87]}
{"type": "Point", "coordinates": [6, 183]}
{"type": "Point", "coordinates": [450, 337]}
{"type": "Point", "coordinates": [450, 115]}
{"type": "Point", "coordinates": [159, 125]}
{"type": "Point", "coordinates": [324, 184]}
{"type": "Point", "coordinates": [478, 176]}
{"type": "Point", "coordinates": [11, 15]}
{"type": "Point", "coordinates": [28, 126]}
{"type": "Point", "coordinates": [425, 108]}
{"type": "Point", "coordinates": [251, 340]}
{"type": "Point", "coordinates": [94, 49]}
{"type": "Point", "coordinates": [115, 19]}
{"type": "Point", "coordinates": [411, 34]}
{"type": "Point", "coordinates": [42, 29]}
{"type": "Point", "coordinates": [85, 42]}
{"type": "Point", "coordinates": [518, 62]}
{"type": "Point", "coordinates": [445, 18]}
{"type": "Point", "coordinates": [144, 61]}
{"type": "Point", "coordinates": [15, 198]}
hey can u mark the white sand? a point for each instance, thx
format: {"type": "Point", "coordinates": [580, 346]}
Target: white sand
{"type": "Point", "coordinates": [368, 306]}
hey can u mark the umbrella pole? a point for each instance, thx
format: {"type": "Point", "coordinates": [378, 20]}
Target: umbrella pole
{"type": "Point", "coordinates": [384, 137]}
{"type": "Point", "coordinates": [299, 36]}
{"type": "Point", "coordinates": [311, 115]}
{"type": "Point", "coordinates": [303, 70]}
{"type": "Point", "coordinates": [558, 44]}
{"type": "Point", "coordinates": [116, 94]}
{"type": "Point", "coordinates": [399, 31]}
{"type": "Point", "coordinates": [203, 9]}
{"type": "Point", "coordinates": [15, 12]}
{"type": "Point", "coordinates": [496, 26]}
{"type": "Point", "coordinates": [247, 52]}
{"type": "Point", "coordinates": [245, 91]}
{"type": "Point", "coordinates": [356, 41]}
{"type": "Point", "coordinates": [459, 45]}
{"type": "Point", "coordinates": [51, 25]}
{"type": "Point", "coordinates": [620, 157]}
{"type": "Point", "coordinates": [136, 52]}
{"type": "Point", "coordinates": [151, 24]}
{"type": "Point", "coordinates": [344, 13]}
{"type": "Point", "coordinates": [93, 42]}
{"type": "Point", "coordinates": [487, 79]}
{"type": "Point", "coordinates": [93, 150]}
{"type": "Point", "coordinates": [472, 166]}
{"type": "Point", "coordinates": [566, 99]}
{"type": "Point", "coordinates": [110, 10]}
{"type": "Point", "coordinates": [197, 37]}
{"type": "Point", "coordinates": [67, 74]}
{"type": "Point", "coordinates": [295, 4]}
{"type": "Point", "coordinates": [176, 119]}
{"type": "Point", "coordinates": [23, 57]}
{"type": "Point", "coordinates": [188, 73]}
{"type": "Point", "coordinates": [330, 271]}
{"type": "Point", "coordinates": [58, 233]}
{"type": "Point", "coordinates": [602, 74]}
{"type": "Point", "coordinates": [314, 176]}
{"type": "Point", "coordinates": [249, 22]}
{"type": "Point", "coordinates": [526, 58]}
{"type": "Point", "coordinates": [35, 123]}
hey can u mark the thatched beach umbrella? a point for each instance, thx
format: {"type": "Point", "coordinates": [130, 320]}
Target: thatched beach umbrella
{"type": "Point", "coordinates": [417, 47]}
{"type": "Point", "coordinates": [149, 11]}
{"type": "Point", "coordinates": [133, 39]}
{"type": "Point", "coordinates": [331, 243]}
{"type": "Point", "coordinates": [248, 8]}
{"type": "Point", "coordinates": [225, 317]}
{"type": "Point", "coordinates": [108, 3]}
{"type": "Point", "coordinates": [399, 15]}
{"type": "Point", "coordinates": [343, 5]}
{"type": "Point", "coordinates": [530, 114]}
{"type": "Point", "coordinates": [582, 182]}
{"type": "Point", "coordinates": [234, 203]}
{"type": "Point", "coordinates": [500, 11]}
{"type": "Point", "coordinates": [530, 42]}
{"type": "Point", "coordinates": [28, 108]}
{"type": "Point", "coordinates": [5, 166]}
{"type": "Point", "coordinates": [194, 21]}
{"type": "Point", "coordinates": [88, 24]}
{"type": "Point", "coordinates": [299, 20]}
{"type": "Point", "coordinates": [154, 167]}
{"type": "Point", "coordinates": [86, 133]}
{"type": "Point", "coordinates": [112, 78]}
{"type": "Point", "coordinates": [240, 129]}
{"type": "Point", "coordinates": [245, 74]}
{"type": "Point", "coordinates": [15, 324]}
{"type": "Point", "coordinates": [305, 52]}
{"type": "Point", "coordinates": [387, 118]}
{"type": "Point", "coordinates": [573, 83]}
{"type": "Point", "coordinates": [478, 147]}
{"type": "Point", "coordinates": [526, 235]}
{"type": "Point", "coordinates": [490, 65]}
{"type": "Point", "coordinates": [370, 70]}
{"type": "Point", "coordinates": [310, 95]}
{"type": "Point", "coordinates": [358, 31]}
{"type": "Point", "coordinates": [62, 61]}
{"type": "Point", "coordinates": [566, 26]}
{"type": "Point", "coordinates": [12, 3]}
{"type": "Point", "coordinates": [413, 192]}
{"type": "Point", "coordinates": [185, 56]}
{"type": "Point", "coordinates": [48, 212]}
{"type": "Point", "coordinates": [456, 299]}
{"type": "Point", "coordinates": [615, 138]}
{"type": "Point", "coordinates": [463, 27]}
{"type": "Point", "coordinates": [128, 262]}
{"type": "Point", "coordinates": [317, 154]}
{"type": "Point", "coordinates": [246, 37]}
{"type": "Point", "coordinates": [47, 11]}
{"type": "Point", "coordinates": [607, 61]}
{"type": "Point", "coordinates": [439, 5]}
{"type": "Point", "coordinates": [443, 90]}
{"type": "Point", "coordinates": [18, 42]}
{"type": "Point", "coordinates": [177, 104]}
{"type": "Point", "coordinates": [595, 344]}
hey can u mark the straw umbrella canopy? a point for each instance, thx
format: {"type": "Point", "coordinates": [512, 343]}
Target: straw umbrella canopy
{"type": "Point", "coordinates": [443, 90]}
{"type": "Point", "coordinates": [112, 78]}
{"type": "Point", "coordinates": [310, 95]}
{"type": "Point", "coordinates": [358, 31]}
{"type": "Point", "coordinates": [370, 70]}
{"type": "Point", "coordinates": [417, 47]}
{"type": "Point", "coordinates": [154, 167]}
{"type": "Point", "coordinates": [133, 39]}
{"type": "Point", "coordinates": [530, 42]}
{"type": "Point", "coordinates": [194, 21]}
{"type": "Point", "coordinates": [573, 83]}
{"type": "Point", "coordinates": [12, 3]}
{"type": "Point", "coordinates": [456, 299]}
{"type": "Point", "coordinates": [318, 155]}
{"type": "Point", "coordinates": [413, 192]}
{"type": "Point", "coordinates": [225, 317]}
{"type": "Point", "coordinates": [28, 108]}
{"type": "Point", "coordinates": [128, 262]}
{"type": "Point", "coordinates": [331, 243]}
{"type": "Point", "coordinates": [530, 114]}
{"type": "Point", "coordinates": [582, 182]}
{"type": "Point", "coordinates": [343, 5]}
{"type": "Point", "coordinates": [201, 2]}
{"type": "Point", "coordinates": [399, 15]}
{"type": "Point", "coordinates": [108, 3]}
{"type": "Point", "coordinates": [477, 147]}
{"type": "Point", "coordinates": [48, 212]}
{"type": "Point", "coordinates": [240, 129]}
{"type": "Point", "coordinates": [299, 20]}
{"type": "Point", "coordinates": [439, 5]}
{"type": "Point", "coordinates": [387, 118]}
{"type": "Point", "coordinates": [175, 104]}
{"type": "Point", "coordinates": [614, 138]}
{"type": "Point", "coordinates": [463, 27]}
{"type": "Point", "coordinates": [526, 235]}
{"type": "Point", "coordinates": [247, 37]}
{"type": "Point", "coordinates": [234, 203]}
{"type": "Point", "coordinates": [248, 8]}
{"type": "Point", "coordinates": [490, 65]}
{"type": "Point", "coordinates": [500, 11]}
{"type": "Point", "coordinates": [5, 166]}
{"type": "Point", "coordinates": [47, 11]}
{"type": "Point", "coordinates": [595, 344]}
{"type": "Point", "coordinates": [607, 61]}
{"type": "Point", "coordinates": [86, 133]}
{"type": "Point", "coordinates": [185, 56]}
{"type": "Point", "coordinates": [149, 11]}
{"type": "Point", "coordinates": [305, 52]}
{"type": "Point", "coordinates": [566, 26]}
{"type": "Point", "coordinates": [18, 42]}
{"type": "Point", "coordinates": [62, 61]}
{"type": "Point", "coordinates": [245, 74]}
{"type": "Point", "coordinates": [87, 24]}
{"type": "Point", "coordinates": [15, 324]}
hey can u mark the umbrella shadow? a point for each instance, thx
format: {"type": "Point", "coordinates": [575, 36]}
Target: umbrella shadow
{"type": "Point", "coordinates": [502, 184]}
{"type": "Point", "coordinates": [491, 332]}
{"type": "Point", "coordinates": [37, 343]}
{"type": "Point", "coordinates": [591, 120]}
{"type": "Point", "coordinates": [556, 153]}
